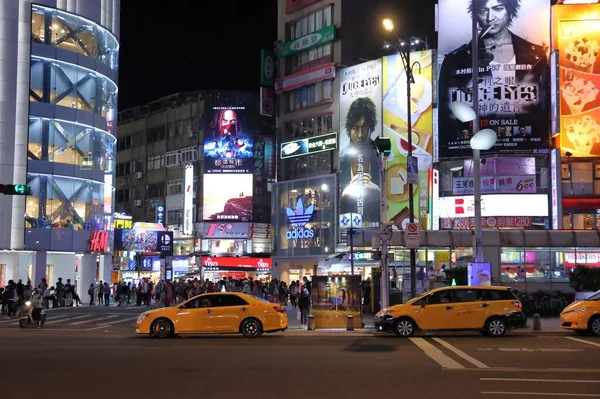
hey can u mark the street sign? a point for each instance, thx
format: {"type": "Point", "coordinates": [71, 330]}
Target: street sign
{"type": "Point", "coordinates": [412, 235]}
{"type": "Point", "coordinates": [412, 169]}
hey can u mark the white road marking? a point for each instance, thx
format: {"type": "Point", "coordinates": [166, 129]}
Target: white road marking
{"type": "Point", "coordinates": [541, 380]}
{"type": "Point", "coordinates": [79, 317]}
{"type": "Point", "coordinates": [48, 320]}
{"type": "Point", "coordinates": [437, 355]}
{"type": "Point", "coordinates": [53, 319]}
{"type": "Point", "coordinates": [460, 353]}
{"type": "Point", "coordinates": [92, 320]}
{"type": "Point", "coordinates": [539, 350]}
{"type": "Point", "coordinates": [546, 394]}
{"type": "Point", "coordinates": [109, 324]}
{"type": "Point", "coordinates": [583, 341]}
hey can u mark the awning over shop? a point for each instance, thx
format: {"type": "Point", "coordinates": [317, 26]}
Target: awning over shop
{"type": "Point", "coordinates": [499, 238]}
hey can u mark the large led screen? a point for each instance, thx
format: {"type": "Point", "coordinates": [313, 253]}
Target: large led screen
{"type": "Point", "coordinates": [144, 241]}
{"type": "Point", "coordinates": [513, 73]}
{"type": "Point", "coordinates": [228, 197]}
{"type": "Point", "coordinates": [577, 39]}
{"type": "Point", "coordinates": [228, 145]}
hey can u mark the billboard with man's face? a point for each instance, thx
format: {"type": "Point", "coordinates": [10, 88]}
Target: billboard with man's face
{"type": "Point", "coordinates": [513, 73]}
{"type": "Point", "coordinates": [228, 145]}
{"type": "Point", "coordinates": [360, 122]}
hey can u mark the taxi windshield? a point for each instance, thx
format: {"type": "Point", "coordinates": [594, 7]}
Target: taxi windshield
{"type": "Point", "coordinates": [594, 297]}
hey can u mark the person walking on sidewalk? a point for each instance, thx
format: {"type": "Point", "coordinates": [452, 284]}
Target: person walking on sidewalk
{"type": "Point", "coordinates": [106, 293]}
{"type": "Point", "coordinates": [304, 306]}
{"type": "Point", "coordinates": [91, 293]}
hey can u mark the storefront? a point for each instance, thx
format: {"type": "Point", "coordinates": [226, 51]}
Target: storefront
{"type": "Point", "coordinates": [304, 218]}
{"type": "Point", "coordinates": [237, 238]}
{"type": "Point", "coordinates": [215, 268]}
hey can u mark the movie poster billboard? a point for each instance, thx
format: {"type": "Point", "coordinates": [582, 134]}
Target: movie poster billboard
{"type": "Point", "coordinates": [513, 73]}
{"type": "Point", "coordinates": [228, 197]}
{"type": "Point", "coordinates": [360, 122]}
{"type": "Point", "coordinates": [228, 144]}
{"type": "Point", "coordinates": [334, 298]}
{"type": "Point", "coordinates": [395, 126]}
{"type": "Point", "coordinates": [577, 39]}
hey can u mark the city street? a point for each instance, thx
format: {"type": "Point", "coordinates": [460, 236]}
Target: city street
{"type": "Point", "coordinates": [87, 347]}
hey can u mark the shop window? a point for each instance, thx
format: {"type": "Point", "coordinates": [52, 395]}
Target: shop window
{"type": "Point", "coordinates": [583, 221]}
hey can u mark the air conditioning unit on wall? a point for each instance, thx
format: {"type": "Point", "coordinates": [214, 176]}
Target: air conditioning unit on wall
{"type": "Point", "coordinates": [137, 202]}
{"type": "Point", "coordinates": [139, 175]}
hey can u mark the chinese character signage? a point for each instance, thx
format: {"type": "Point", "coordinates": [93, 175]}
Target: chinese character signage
{"type": "Point", "coordinates": [311, 145]}
{"type": "Point", "coordinates": [309, 41]}
{"type": "Point", "coordinates": [513, 73]}
{"type": "Point", "coordinates": [396, 109]}
{"type": "Point", "coordinates": [267, 68]}
{"type": "Point", "coordinates": [495, 205]}
{"type": "Point", "coordinates": [188, 199]}
{"type": "Point", "coordinates": [228, 146]}
{"type": "Point", "coordinates": [577, 39]}
{"type": "Point", "coordinates": [160, 213]}
{"type": "Point", "coordinates": [556, 194]}
{"type": "Point", "coordinates": [487, 222]}
{"type": "Point", "coordinates": [360, 116]}
{"type": "Point", "coordinates": [496, 184]}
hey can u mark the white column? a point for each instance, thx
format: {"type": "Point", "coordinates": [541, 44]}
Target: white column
{"type": "Point", "coordinates": [39, 268]}
{"type": "Point", "coordinates": [105, 267]}
{"type": "Point", "coordinates": [22, 260]}
{"type": "Point", "coordinates": [87, 276]}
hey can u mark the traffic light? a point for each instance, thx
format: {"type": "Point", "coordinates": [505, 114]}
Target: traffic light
{"type": "Point", "coordinates": [383, 145]}
{"type": "Point", "coordinates": [15, 189]}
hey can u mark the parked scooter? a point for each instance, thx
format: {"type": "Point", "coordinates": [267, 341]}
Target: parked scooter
{"type": "Point", "coordinates": [30, 314]}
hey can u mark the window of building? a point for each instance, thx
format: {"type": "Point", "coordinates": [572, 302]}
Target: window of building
{"type": "Point", "coordinates": [123, 169]}
{"type": "Point", "coordinates": [124, 143]}
{"type": "Point", "coordinates": [578, 179]}
{"type": "Point", "coordinates": [156, 190]}
{"type": "Point", "coordinates": [189, 155]}
{"type": "Point", "coordinates": [175, 187]}
{"type": "Point", "coordinates": [137, 166]}
{"type": "Point", "coordinates": [174, 216]}
{"type": "Point", "coordinates": [172, 159]}
{"type": "Point", "coordinates": [138, 139]}
{"type": "Point", "coordinates": [122, 195]}
{"type": "Point", "coordinates": [156, 162]}
{"type": "Point", "coordinates": [310, 95]}
{"type": "Point", "coordinates": [310, 127]}
{"type": "Point", "coordinates": [307, 25]}
{"type": "Point", "coordinates": [155, 134]}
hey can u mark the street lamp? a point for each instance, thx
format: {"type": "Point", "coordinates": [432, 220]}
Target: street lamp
{"type": "Point", "coordinates": [482, 140]}
{"type": "Point", "coordinates": [410, 79]}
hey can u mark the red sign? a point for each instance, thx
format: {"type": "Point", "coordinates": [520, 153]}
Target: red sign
{"type": "Point", "coordinates": [99, 241]}
{"type": "Point", "coordinates": [218, 262]}
{"type": "Point", "coordinates": [488, 222]}
{"type": "Point", "coordinates": [313, 75]}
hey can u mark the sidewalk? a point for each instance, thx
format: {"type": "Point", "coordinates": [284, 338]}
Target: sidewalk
{"type": "Point", "coordinates": [294, 326]}
{"type": "Point", "coordinates": [549, 325]}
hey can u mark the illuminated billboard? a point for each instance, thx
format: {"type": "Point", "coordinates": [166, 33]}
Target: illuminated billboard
{"type": "Point", "coordinates": [188, 199]}
{"type": "Point", "coordinates": [513, 74]}
{"type": "Point", "coordinates": [136, 240]}
{"type": "Point", "coordinates": [360, 114]}
{"type": "Point", "coordinates": [577, 39]}
{"type": "Point", "coordinates": [228, 146]}
{"type": "Point", "coordinates": [311, 145]}
{"type": "Point", "coordinates": [395, 126]}
{"type": "Point", "coordinates": [228, 197]}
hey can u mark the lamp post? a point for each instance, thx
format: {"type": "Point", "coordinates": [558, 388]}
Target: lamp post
{"type": "Point", "coordinates": [388, 25]}
{"type": "Point", "coordinates": [481, 140]}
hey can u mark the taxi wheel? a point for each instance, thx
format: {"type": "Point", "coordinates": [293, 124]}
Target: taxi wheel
{"type": "Point", "coordinates": [251, 328]}
{"type": "Point", "coordinates": [595, 326]}
{"type": "Point", "coordinates": [404, 327]}
{"type": "Point", "coordinates": [496, 327]}
{"type": "Point", "coordinates": [161, 328]}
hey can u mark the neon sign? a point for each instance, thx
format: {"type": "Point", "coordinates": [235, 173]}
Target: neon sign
{"type": "Point", "coordinates": [299, 218]}
{"type": "Point", "coordinates": [99, 241]}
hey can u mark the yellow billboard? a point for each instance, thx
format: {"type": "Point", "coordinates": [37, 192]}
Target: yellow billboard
{"type": "Point", "coordinates": [576, 36]}
{"type": "Point", "coordinates": [395, 114]}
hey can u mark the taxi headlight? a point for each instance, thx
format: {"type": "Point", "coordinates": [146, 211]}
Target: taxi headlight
{"type": "Point", "coordinates": [142, 317]}
{"type": "Point", "coordinates": [578, 311]}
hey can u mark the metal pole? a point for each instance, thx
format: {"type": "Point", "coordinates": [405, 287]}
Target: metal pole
{"type": "Point", "coordinates": [411, 205]}
{"type": "Point", "coordinates": [477, 247]}
{"type": "Point", "coordinates": [351, 238]}
{"type": "Point", "coordinates": [385, 273]}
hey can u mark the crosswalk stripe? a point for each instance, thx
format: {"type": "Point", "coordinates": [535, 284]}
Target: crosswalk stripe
{"type": "Point", "coordinates": [92, 320]}
{"type": "Point", "coordinates": [119, 321]}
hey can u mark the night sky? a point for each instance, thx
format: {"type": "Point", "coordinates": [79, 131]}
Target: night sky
{"type": "Point", "coordinates": [205, 44]}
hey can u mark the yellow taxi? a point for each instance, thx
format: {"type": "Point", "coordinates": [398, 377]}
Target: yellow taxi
{"type": "Point", "coordinates": [583, 316]}
{"type": "Point", "coordinates": [215, 313]}
{"type": "Point", "coordinates": [491, 310]}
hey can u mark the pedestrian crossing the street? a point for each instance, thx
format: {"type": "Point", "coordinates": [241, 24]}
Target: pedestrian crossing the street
{"type": "Point", "coordinates": [78, 321]}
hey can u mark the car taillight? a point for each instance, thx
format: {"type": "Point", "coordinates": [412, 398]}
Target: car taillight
{"type": "Point", "coordinates": [279, 309]}
{"type": "Point", "coordinates": [517, 304]}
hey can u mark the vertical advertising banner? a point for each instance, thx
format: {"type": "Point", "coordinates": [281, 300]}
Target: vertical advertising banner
{"type": "Point", "coordinates": [395, 114]}
{"type": "Point", "coordinates": [577, 39]}
{"type": "Point", "coordinates": [513, 73]}
{"type": "Point", "coordinates": [188, 199]}
{"type": "Point", "coordinates": [556, 197]}
{"type": "Point", "coordinates": [360, 122]}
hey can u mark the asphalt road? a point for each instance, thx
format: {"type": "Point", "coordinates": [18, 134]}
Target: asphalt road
{"type": "Point", "coordinates": [68, 360]}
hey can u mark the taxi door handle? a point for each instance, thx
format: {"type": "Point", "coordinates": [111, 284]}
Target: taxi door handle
{"type": "Point", "coordinates": [485, 305]}
{"type": "Point", "coordinates": [243, 309]}
{"type": "Point", "coordinates": [208, 310]}
{"type": "Point", "coordinates": [448, 307]}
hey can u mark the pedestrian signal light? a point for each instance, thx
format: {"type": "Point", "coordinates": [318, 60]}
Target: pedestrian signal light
{"type": "Point", "coordinates": [15, 189]}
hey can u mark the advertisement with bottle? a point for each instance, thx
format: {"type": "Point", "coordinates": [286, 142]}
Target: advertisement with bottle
{"type": "Point", "coordinates": [577, 39]}
{"type": "Point", "coordinates": [395, 126]}
{"type": "Point", "coordinates": [513, 73]}
{"type": "Point", "coordinates": [360, 122]}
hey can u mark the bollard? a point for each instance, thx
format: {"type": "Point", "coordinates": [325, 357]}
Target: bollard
{"type": "Point", "coordinates": [311, 322]}
{"type": "Point", "coordinates": [537, 324]}
{"type": "Point", "coordinates": [350, 323]}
